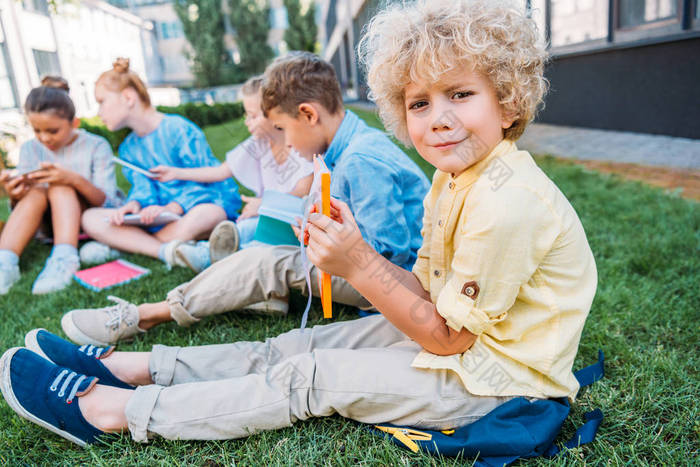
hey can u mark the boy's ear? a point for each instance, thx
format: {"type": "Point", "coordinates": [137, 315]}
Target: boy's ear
{"type": "Point", "coordinates": [308, 113]}
{"type": "Point", "coordinates": [507, 119]}
{"type": "Point", "coordinates": [76, 123]}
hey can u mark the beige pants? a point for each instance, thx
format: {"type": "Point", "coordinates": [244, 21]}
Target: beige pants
{"type": "Point", "coordinates": [360, 369]}
{"type": "Point", "coordinates": [250, 276]}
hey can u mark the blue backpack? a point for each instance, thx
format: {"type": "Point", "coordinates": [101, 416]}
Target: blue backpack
{"type": "Point", "coordinates": [517, 429]}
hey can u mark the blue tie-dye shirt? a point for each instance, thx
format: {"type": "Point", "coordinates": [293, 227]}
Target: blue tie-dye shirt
{"type": "Point", "coordinates": [383, 188]}
{"type": "Point", "coordinates": [176, 142]}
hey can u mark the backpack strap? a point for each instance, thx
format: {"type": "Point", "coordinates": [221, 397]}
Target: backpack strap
{"type": "Point", "coordinates": [592, 373]}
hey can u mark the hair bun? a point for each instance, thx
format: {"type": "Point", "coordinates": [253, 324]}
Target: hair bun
{"type": "Point", "coordinates": [121, 65]}
{"type": "Point", "coordinates": [55, 82]}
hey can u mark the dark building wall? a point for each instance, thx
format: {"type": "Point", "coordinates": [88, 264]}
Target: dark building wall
{"type": "Point", "coordinates": [647, 89]}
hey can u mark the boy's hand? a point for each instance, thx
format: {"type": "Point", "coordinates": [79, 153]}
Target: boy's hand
{"type": "Point", "coordinates": [132, 207]}
{"type": "Point", "coordinates": [52, 174]}
{"type": "Point", "coordinates": [252, 204]}
{"type": "Point", "coordinates": [165, 173]}
{"type": "Point", "coordinates": [332, 239]}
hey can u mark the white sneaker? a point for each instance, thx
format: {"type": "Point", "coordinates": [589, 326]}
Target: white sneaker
{"type": "Point", "coordinates": [196, 256]}
{"type": "Point", "coordinates": [56, 275]}
{"type": "Point", "coordinates": [9, 274]}
{"type": "Point", "coordinates": [96, 252]}
{"type": "Point", "coordinates": [171, 256]}
{"type": "Point", "coordinates": [223, 241]}
{"type": "Point", "coordinates": [103, 326]}
{"type": "Point", "coordinates": [273, 306]}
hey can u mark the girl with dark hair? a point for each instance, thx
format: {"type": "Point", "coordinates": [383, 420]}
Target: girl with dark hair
{"type": "Point", "coordinates": [63, 170]}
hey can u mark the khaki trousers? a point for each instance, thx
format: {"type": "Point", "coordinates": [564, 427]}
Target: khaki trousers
{"type": "Point", "coordinates": [250, 276]}
{"type": "Point", "coordinates": [360, 369]}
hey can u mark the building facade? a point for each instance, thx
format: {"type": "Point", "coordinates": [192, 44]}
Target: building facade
{"type": "Point", "coordinates": [78, 41]}
{"type": "Point", "coordinates": [627, 65]}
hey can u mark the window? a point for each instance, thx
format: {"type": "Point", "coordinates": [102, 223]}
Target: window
{"type": "Point", "coordinates": [634, 13]}
{"type": "Point", "coordinates": [697, 9]}
{"type": "Point", "coordinates": [576, 21]}
{"type": "Point", "coordinates": [170, 30]}
{"type": "Point", "coordinates": [8, 99]}
{"type": "Point", "coordinates": [46, 63]}
{"type": "Point", "coordinates": [37, 6]}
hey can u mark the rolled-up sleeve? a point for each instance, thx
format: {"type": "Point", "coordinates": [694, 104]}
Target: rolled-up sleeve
{"type": "Point", "coordinates": [502, 239]}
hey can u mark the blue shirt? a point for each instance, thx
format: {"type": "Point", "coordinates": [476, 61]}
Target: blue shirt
{"type": "Point", "coordinates": [176, 142]}
{"type": "Point", "coordinates": [382, 186]}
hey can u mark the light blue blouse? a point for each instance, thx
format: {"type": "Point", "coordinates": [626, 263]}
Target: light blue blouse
{"type": "Point", "coordinates": [176, 142]}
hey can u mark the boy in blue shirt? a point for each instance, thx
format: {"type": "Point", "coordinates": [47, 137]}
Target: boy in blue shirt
{"type": "Point", "coordinates": [383, 187]}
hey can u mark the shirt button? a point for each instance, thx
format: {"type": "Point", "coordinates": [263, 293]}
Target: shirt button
{"type": "Point", "coordinates": [451, 185]}
{"type": "Point", "coordinates": [436, 273]}
{"type": "Point", "coordinates": [469, 291]}
{"type": "Point", "coordinates": [440, 223]}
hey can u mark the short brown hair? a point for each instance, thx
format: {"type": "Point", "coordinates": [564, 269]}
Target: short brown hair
{"type": "Point", "coordinates": [297, 78]}
{"type": "Point", "coordinates": [120, 78]}
{"type": "Point", "coordinates": [51, 96]}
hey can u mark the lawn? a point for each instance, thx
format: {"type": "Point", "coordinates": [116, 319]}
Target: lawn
{"type": "Point", "coordinates": [645, 317]}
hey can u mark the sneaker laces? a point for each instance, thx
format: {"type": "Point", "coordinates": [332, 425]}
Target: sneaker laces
{"type": "Point", "coordinates": [91, 350]}
{"type": "Point", "coordinates": [62, 392]}
{"type": "Point", "coordinates": [58, 266]}
{"type": "Point", "coordinates": [118, 313]}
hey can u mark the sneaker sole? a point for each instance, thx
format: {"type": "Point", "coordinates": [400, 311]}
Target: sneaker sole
{"type": "Point", "coordinates": [76, 335]}
{"type": "Point", "coordinates": [223, 241]}
{"type": "Point", "coordinates": [9, 395]}
{"type": "Point", "coordinates": [274, 306]}
{"type": "Point", "coordinates": [31, 342]}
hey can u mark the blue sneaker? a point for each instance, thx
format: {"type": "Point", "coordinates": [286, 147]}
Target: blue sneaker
{"type": "Point", "coordinates": [44, 393]}
{"type": "Point", "coordinates": [83, 359]}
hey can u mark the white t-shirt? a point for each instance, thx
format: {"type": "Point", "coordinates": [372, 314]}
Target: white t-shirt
{"type": "Point", "coordinates": [254, 166]}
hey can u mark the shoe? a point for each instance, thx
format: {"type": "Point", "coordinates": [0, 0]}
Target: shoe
{"type": "Point", "coordinates": [102, 326]}
{"type": "Point", "coordinates": [223, 241]}
{"type": "Point", "coordinates": [9, 274]}
{"type": "Point", "coordinates": [196, 256]}
{"type": "Point", "coordinates": [84, 359]}
{"type": "Point", "coordinates": [56, 275]}
{"type": "Point", "coordinates": [170, 257]}
{"type": "Point", "coordinates": [44, 393]}
{"type": "Point", "coordinates": [97, 253]}
{"type": "Point", "coordinates": [273, 306]}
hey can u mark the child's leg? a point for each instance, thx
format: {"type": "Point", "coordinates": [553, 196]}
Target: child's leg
{"type": "Point", "coordinates": [248, 276]}
{"type": "Point", "coordinates": [65, 214]}
{"type": "Point", "coordinates": [124, 237]}
{"type": "Point", "coordinates": [197, 223]}
{"type": "Point", "coordinates": [24, 221]}
{"type": "Point", "coordinates": [374, 385]}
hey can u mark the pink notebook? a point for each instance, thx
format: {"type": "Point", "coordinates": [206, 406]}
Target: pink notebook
{"type": "Point", "coordinates": [110, 274]}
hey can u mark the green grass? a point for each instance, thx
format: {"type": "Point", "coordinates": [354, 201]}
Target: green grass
{"type": "Point", "coordinates": [645, 317]}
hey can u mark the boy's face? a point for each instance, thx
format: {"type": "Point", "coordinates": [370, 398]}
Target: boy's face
{"type": "Point", "coordinates": [456, 122]}
{"type": "Point", "coordinates": [305, 133]}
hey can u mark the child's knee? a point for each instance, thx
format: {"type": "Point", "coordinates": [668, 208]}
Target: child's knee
{"type": "Point", "coordinates": [93, 220]}
{"type": "Point", "coordinates": [61, 194]}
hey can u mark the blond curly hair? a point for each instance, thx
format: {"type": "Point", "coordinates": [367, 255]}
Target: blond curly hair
{"type": "Point", "coordinates": [424, 39]}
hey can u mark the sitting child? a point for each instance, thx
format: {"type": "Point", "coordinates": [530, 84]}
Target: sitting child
{"type": "Point", "coordinates": [493, 309]}
{"type": "Point", "coordinates": [63, 170]}
{"type": "Point", "coordinates": [156, 139]}
{"type": "Point", "coordinates": [259, 163]}
{"type": "Point", "coordinates": [383, 187]}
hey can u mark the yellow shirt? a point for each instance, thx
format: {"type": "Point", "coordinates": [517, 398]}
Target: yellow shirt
{"type": "Point", "coordinates": [505, 256]}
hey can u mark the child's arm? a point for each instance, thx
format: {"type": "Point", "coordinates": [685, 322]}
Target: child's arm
{"type": "Point", "coordinates": [54, 174]}
{"type": "Point", "coordinates": [303, 186]}
{"type": "Point", "coordinates": [200, 174]}
{"type": "Point", "coordinates": [337, 247]}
